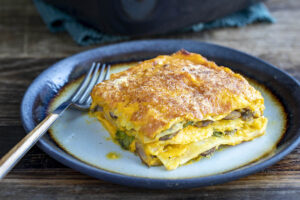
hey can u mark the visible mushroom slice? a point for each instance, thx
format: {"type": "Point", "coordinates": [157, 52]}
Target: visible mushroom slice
{"type": "Point", "coordinates": [217, 133]}
{"type": "Point", "coordinates": [203, 123]}
{"type": "Point", "coordinates": [233, 115]}
{"type": "Point", "coordinates": [208, 152]}
{"type": "Point", "coordinates": [149, 161]}
{"type": "Point", "coordinates": [188, 124]}
{"type": "Point", "coordinates": [231, 132]}
{"type": "Point", "coordinates": [168, 137]}
{"type": "Point", "coordinates": [247, 115]}
{"type": "Point", "coordinates": [174, 129]}
{"type": "Point", "coordinates": [140, 151]}
{"type": "Point", "coordinates": [112, 115]}
{"type": "Point", "coordinates": [98, 109]}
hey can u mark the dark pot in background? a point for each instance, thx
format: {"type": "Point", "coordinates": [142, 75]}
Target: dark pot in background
{"type": "Point", "coordinates": [146, 17]}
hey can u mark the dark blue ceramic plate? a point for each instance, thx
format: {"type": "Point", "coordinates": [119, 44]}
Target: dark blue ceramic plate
{"type": "Point", "coordinates": [87, 152]}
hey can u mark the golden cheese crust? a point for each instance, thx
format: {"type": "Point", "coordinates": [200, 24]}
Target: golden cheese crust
{"type": "Point", "coordinates": [155, 94]}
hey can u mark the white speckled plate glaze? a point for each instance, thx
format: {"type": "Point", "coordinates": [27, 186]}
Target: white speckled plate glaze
{"type": "Point", "coordinates": [85, 138]}
{"type": "Point", "coordinates": [79, 141]}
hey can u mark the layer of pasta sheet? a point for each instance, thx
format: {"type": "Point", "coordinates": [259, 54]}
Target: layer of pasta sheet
{"type": "Point", "coordinates": [185, 141]}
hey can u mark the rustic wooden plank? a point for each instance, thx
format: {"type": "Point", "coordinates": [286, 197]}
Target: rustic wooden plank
{"type": "Point", "coordinates": [34, 159]}
{"type": "Point", "coordinates": [23, 33]}
{"type": "Point", "coordinates": [15, 76]}
{"type": "Point", "coordinates": [60, 184]}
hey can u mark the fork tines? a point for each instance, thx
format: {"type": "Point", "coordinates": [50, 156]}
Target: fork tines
{"type": "Point", "coordinates": [98, 72]}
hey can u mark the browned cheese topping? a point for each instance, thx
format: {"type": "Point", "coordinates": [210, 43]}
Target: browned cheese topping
{"type": "Point", "coordinates": [184, 85]}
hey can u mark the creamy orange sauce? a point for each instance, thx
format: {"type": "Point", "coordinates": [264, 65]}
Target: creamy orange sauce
{"type": "Point", "coordinates": [113, 155]}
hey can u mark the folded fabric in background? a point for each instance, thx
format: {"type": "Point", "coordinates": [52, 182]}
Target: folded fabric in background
{"type": "Point", "coordinates": [57, 20]}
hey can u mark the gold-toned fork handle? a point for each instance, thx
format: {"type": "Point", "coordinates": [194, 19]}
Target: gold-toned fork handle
{"type": "Point", "coordinates": [19, 150]}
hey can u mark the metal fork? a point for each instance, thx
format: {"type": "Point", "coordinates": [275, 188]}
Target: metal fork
{"type": "Point", "coordinates": [81, 99]}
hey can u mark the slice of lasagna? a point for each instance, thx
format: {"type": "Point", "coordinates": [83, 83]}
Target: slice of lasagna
{"type": "Point", "coordinates": [173, 109]}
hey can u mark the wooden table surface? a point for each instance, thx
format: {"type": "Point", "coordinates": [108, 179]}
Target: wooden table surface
{"type": "Point", "coordinates": [27, 48]}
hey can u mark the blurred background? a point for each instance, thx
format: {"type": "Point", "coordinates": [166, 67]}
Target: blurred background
{"type": "Point", "coordinates": [25, 33]}
{"type": "Point", "coordinates": [36, 34]}
{"type": "Point", "coordinates": [28, 29]}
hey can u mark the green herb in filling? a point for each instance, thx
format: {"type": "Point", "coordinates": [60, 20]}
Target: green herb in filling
{"type": "Point", "coordinates": [188, 123]}
{"type": "Point", "coordinates": [124, 139]}
{"type": "Point", "coordinates": [217, 133]}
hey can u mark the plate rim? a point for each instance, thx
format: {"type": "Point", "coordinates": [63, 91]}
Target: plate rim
{"type": "Point", "coordinates": [144, 182]}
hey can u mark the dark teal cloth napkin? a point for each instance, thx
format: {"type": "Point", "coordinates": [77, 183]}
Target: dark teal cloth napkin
{"type": "Point", "coordinates": [57, 20]}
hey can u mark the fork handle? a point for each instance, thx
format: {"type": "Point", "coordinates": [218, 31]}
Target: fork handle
{"type": "Point", "coordinates": [19, 150]}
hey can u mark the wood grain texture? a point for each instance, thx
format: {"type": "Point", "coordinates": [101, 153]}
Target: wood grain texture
{"type": "Point", "coordinates": [27, 48]}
